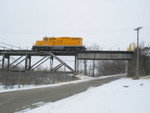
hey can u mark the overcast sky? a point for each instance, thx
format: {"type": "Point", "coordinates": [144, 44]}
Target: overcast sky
{"type": "Point", "coordinates": [108, 23]}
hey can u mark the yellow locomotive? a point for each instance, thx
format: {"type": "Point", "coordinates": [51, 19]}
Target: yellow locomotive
{"type": "Point", "coordinates": [59, 44]}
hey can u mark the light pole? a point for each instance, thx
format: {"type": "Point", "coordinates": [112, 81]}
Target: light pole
{"type": "Point", "coordinates": [137, 60]}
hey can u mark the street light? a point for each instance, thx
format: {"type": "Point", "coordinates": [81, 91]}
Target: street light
{"type": "Point", "coordinates": [137, 61]}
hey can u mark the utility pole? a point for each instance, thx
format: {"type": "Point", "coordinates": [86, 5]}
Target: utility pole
{"type": "Point", "coordinates": [137, 60]}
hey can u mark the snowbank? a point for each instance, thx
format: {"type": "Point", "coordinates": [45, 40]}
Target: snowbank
{"type": "Point", "coordinates": [121, 96]}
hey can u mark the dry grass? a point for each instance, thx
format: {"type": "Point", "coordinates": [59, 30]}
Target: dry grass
{"type": "Point", "coordinates": [135, 78]}
{"type": "Point", "coordinates": [145, 77]}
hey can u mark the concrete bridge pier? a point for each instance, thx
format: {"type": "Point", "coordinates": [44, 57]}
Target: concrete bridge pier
{"type": "Point", "coordinates": [144, 65]}
{"type": "Point", "coordinates": [132, 67]}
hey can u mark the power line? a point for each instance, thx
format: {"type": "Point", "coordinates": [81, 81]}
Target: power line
{"type": "Point", "coordinates": [11, 46]}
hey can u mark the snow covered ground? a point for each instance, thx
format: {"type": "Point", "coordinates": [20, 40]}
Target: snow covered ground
{"type": "Point", "coordinates": [81, 77]}
{"type": "Point", "coordinates": [120, 96]}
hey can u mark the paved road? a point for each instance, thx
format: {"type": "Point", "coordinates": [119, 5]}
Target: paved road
{"type": "Point", "coordinates": [13, 101]}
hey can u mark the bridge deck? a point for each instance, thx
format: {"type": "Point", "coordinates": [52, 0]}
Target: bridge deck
{"type": "Point", "coordinates": [89, 55]}
{"type": "Point", "coordinates": [105, 55]}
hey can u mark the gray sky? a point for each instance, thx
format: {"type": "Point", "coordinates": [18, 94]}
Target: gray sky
{"type": "Point", "coordinates": [108, 23]}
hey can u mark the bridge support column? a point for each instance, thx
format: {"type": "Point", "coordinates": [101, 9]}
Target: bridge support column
{"type": "Point", "coordinates": [132, 67]}
{"type": "Point", "coordinates": [4, 62]}
{"type": "Point", "coordinates": [93, 68]}
{"type": "Point", "coordinates": [51, 62]}
{"type": "Point", "coordinates": [29, 67]}
{"type": "Point", "coordinates": [8, 62]}
{"type": "Point", "coordinates": [76, 66]}
{"type": "Point", "coordinates": [28, 62]}
{"type": "Point", "coordinates": [85, 67]}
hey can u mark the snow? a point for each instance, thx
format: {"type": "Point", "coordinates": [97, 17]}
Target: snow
{"type": "Point", "coordinates": [120, 96]}
{"type": "Point", "coordinates": [81, 77]}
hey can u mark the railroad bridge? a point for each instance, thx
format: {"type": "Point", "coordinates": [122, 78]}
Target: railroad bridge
{"type": "Point", "coordinates": [26, 56]}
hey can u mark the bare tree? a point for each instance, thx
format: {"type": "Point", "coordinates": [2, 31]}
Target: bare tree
{"type": "Point", "coordinates": [111, 67]}
{"type": "Point", "coordinates": [93, 63]}
{"type": "Point", "coordinates": [100, 68]}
